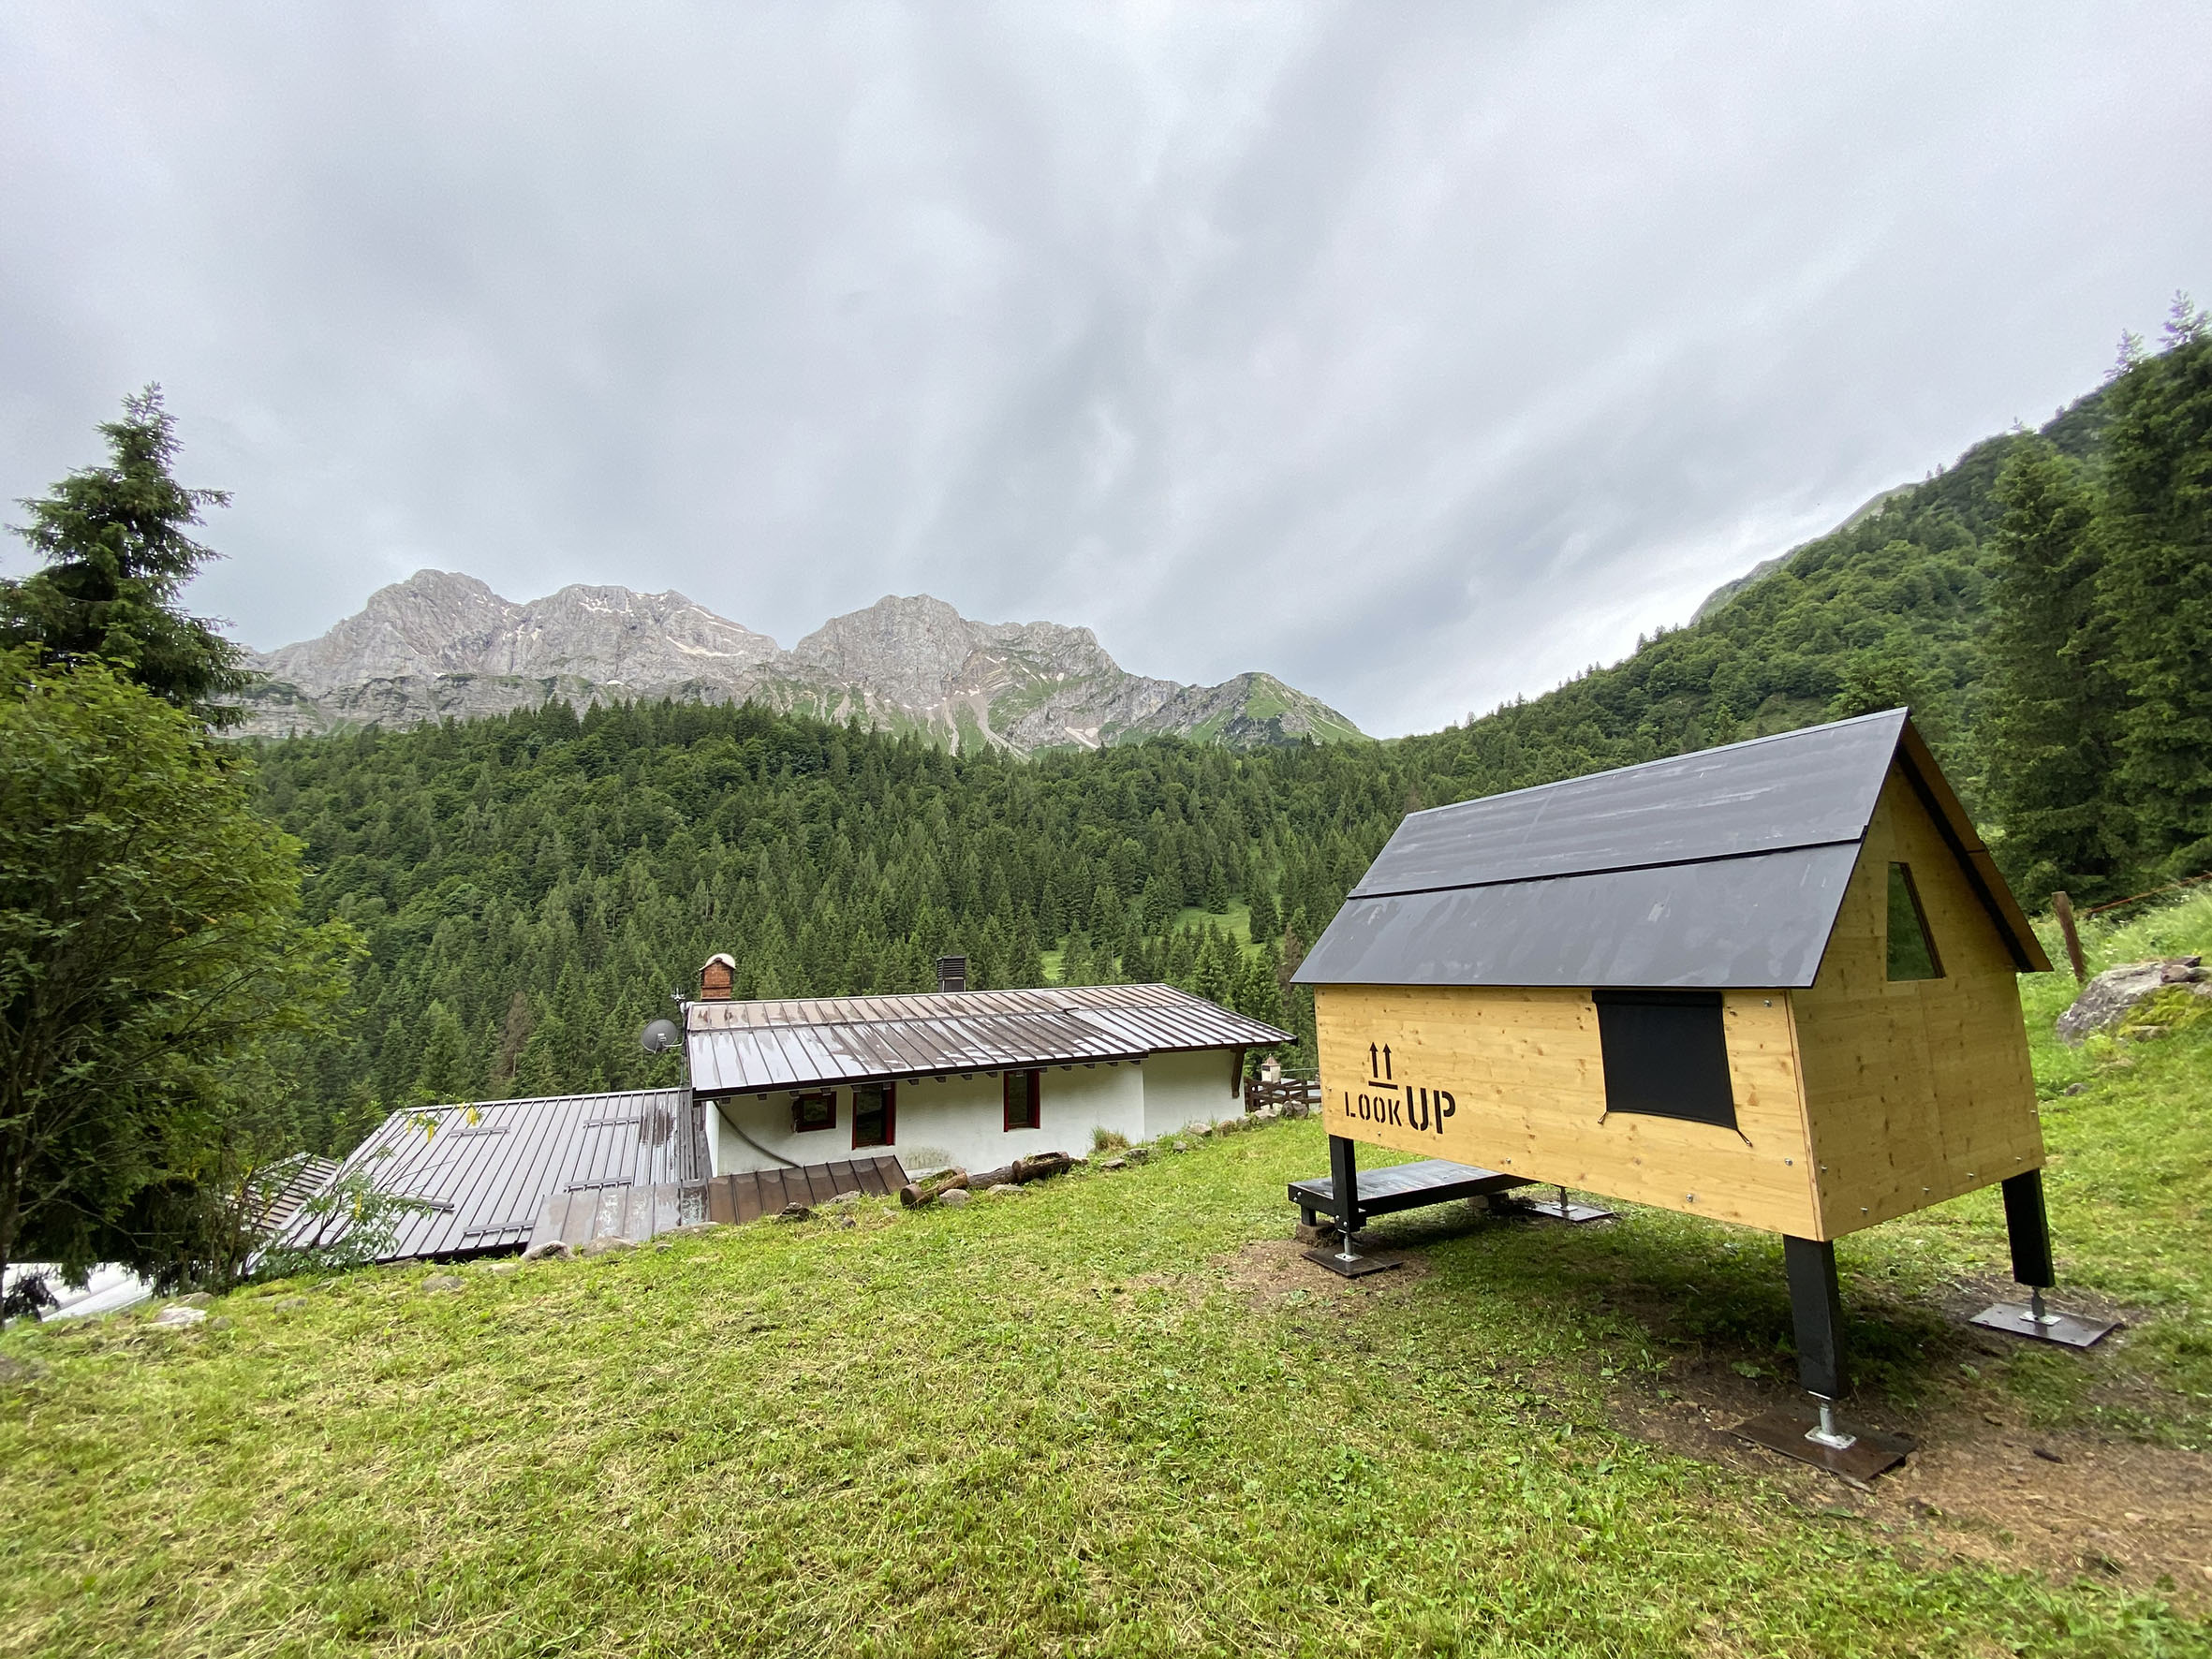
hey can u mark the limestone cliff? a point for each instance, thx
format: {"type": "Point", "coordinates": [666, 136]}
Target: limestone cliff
{"type": "Point", "coordinates": [440, 644]}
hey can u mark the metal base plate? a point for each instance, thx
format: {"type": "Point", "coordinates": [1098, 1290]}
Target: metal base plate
{"type": "Point", "coordinates": [1574, 1215]}
{"type": "Point", "coordinates": [1783, 1429]}
{"type": "Point", "coordinates": [1358, 1266]}
{"type": "Point", "coordinates": [2018, 1319]}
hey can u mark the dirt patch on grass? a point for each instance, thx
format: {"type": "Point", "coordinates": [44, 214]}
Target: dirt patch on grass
{"type": "Point", "coordinates": [1275, 1273]}
{"type": "Point", "coordinates": [1984, 1484]}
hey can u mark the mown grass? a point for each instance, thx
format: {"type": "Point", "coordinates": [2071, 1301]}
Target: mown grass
{"type": "Point", "coordinates": [1055, 1423]}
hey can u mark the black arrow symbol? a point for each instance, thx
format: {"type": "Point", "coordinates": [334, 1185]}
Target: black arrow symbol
{"type": "Point", "coordinates": [1371, 1061]}
{"type": "Point", "coordinates": [1386, 1060]}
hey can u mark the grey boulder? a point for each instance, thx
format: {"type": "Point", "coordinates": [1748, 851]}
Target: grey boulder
{"type": "Point", "coordinates": [2105, 1000]}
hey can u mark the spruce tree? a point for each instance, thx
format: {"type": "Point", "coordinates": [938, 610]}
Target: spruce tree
{"type": "Point", "coordinates": [2157, 587]}
{"type": "Point", "coordinates": [2050, 706]}
{"type": "Point", "coordinates": [1213, 977]}
{"type": "Point", "coordinates": [1217, 890]}
{"type": "Point", "coordinates": [1267, 920]}
{"type": "Point", "coordinates": [447, 1073]}
{"type": "Point", "coordinates": [117, 552]}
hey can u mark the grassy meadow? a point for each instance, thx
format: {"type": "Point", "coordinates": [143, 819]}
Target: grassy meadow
{"type": "Point", "coordinates": [1118, 1415]}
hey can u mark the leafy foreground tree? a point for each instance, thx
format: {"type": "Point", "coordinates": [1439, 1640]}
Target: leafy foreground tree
{"type": "Point", "coordinates": [118, 554]}
{"type": "Point", "coordinates": [152, 966]}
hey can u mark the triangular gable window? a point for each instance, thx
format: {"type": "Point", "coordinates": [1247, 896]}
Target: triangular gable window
{"type": "Point", "coordinates": [1911, 951]}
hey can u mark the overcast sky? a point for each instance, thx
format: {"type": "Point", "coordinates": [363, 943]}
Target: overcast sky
{"type": "Point", "coordinates": [1420, 355]}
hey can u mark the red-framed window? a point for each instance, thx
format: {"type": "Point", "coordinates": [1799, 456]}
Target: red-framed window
{"type": "Point", "coordinates": [1024, 1099]}
{"type": "Point", "coordinates": [874, 1114]}
{"type": "Point", "coordinates": [816, 1109]}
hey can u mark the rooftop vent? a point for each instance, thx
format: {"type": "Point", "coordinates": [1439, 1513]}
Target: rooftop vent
{"type": "Point", "coordinates": [951, 972]}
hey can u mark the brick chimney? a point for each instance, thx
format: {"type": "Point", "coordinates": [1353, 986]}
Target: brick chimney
{"type": "Point", "coordinates": [951, 972]}
{"type": "Point", "coordinates": [718, 981]}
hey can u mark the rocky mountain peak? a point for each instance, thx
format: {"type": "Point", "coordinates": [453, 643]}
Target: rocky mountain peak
{"type": "Point", "coordinates": [444, 644]}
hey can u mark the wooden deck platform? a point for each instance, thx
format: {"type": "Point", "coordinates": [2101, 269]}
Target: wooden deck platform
{"type": "Point", "coordinates": [1402, 1186]}
{"type": "Point", "coordinates": [636, 1213]}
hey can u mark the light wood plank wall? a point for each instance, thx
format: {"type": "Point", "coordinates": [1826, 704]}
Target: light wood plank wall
{"type": "Point", "coordinates": [1919, 1090]}
{"type": "Point", "coordinates": [1528, 1083]}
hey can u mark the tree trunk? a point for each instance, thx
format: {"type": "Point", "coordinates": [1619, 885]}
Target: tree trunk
{"type": "Point", "coordinates": [1037, 1166]}
{"type": "Point", "coordinates": [917, 1193]}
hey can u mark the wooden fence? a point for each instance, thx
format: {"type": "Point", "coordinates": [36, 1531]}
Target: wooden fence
{"type": "Point", "coordinates": [1296, 1094]}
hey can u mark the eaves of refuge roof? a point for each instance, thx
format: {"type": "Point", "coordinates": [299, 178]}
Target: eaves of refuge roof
{"type": "Point", "coordinates": [737, 1047]}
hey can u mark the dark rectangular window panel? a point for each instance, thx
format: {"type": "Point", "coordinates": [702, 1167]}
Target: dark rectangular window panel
{"type": "Point", "coordinates": [1024, 1094]}
{"type": "Point", "coordinates": [1911, 947]}
{"type": "Point", "coordinates": [875, 1115]}
{"type": "Point", "coordinates": [1666, 1055]}
{"type": "Point", "coordinates": [817, 1111]}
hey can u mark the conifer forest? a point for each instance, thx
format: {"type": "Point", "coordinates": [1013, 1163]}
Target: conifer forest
{"type": "Point", "coordinates": [532, 890]}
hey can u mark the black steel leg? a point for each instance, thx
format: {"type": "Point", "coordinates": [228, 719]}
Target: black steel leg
{"type": "Point", "coordinates": [1816, 1307]}
{"type": "Point", "coordinates": [1815, 1437]}
{"type": "Point", "coordinates": [1344, 1192]}
{"type": "Point", "coordinates": [2027, 1224]}
{"type": "Point", "coordinates": [1344, 1182]}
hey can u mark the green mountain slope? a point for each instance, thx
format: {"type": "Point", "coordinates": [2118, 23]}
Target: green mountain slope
{"type": "Point", "coordinates": [1888, 609]}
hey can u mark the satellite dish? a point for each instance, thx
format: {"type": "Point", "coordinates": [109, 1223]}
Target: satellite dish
{"type": "Point", "coordinates": [659, 1037]}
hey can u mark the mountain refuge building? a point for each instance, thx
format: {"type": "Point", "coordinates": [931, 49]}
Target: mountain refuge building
{"type": "Point", "coordinates": [970, 1078]}
{"type": "Point", "coordinates": [798, 1101]}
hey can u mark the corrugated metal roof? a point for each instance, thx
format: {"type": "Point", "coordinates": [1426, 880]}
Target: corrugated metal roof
{"type": "Point", "coordinates": [735, 1046]}
{"type": "Point", "coordinates": [285, 1185]}
{"type": "Point", "coordinates": [490, 1166]}
{"type": "Point", "coordinates": [1715, 870]}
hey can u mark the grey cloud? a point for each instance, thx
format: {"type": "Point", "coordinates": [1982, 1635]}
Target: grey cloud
{"type": "Point", "coordinates": [1422, 355]}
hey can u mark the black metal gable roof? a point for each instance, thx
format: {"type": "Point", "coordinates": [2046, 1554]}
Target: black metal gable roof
{"type": "Point", "coordinates": [1718, 868]}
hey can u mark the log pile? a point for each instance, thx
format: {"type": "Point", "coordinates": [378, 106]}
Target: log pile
{"type": "Point", "coordinates": [1037, 1166]}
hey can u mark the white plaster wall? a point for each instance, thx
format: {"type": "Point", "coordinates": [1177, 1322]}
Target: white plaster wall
{"type": "Point", "coordinates": [956, 1121]}
{"type": "Point", "coordinates": [769, 1122]}
{"type": "Point", "coordinates": [1187, 1088]}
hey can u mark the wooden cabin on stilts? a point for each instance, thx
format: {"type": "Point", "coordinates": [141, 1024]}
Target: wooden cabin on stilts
{"type": "Point", "coordinates": [1772, 983]}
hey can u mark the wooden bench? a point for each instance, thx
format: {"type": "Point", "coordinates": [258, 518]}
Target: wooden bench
{"type": "Point", "coordinates": [1400, 1186]}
